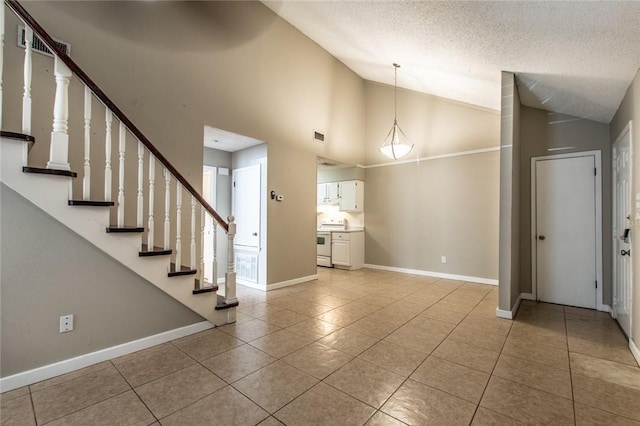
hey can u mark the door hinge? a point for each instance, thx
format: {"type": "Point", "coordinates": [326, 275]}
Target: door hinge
{"type": "Point", "coordinates": [595, 172]}
{"type": "Point", "coordinates": [234, 183]}
{"type": "Point", "coordinates": [596, 283]}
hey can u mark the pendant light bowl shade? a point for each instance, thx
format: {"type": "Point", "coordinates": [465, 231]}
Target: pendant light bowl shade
{"type": "Point", "coordinates": [396, 145]}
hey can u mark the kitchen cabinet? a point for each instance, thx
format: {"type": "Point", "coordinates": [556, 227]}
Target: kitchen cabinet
{"type": "Point", "coordinates": [347, 250]}
{"type": "Point", "coordinates": [351, 196]}
{"type": "Point", "coordinates": [328, 193]}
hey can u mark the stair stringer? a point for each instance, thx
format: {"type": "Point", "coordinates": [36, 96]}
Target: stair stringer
{"type": "Point", "coordinates": [51, 194]}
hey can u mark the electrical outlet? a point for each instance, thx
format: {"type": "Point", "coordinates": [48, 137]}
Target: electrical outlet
{"type": "Point", "coordinates": [443, 259]}
{"type": "Point", "coordinates": [66, 323]}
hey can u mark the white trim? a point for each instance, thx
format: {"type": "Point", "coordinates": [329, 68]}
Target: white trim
{"type": "Point", "coordinates": [527, 296]}
{"type": "Point", "coordinates": [281, 284]}
{"type": "Point", "coordinates": [501, 313]}
{"type": "Point", "coordinates": [434, 157]}
{"type": "Point", "coordinates": [599, 305]}
{"type": "Point", "coordinates": [68, 365]}
{"type": "Point", "coordinates": [634, 350]}
{"type": "Point", "coordinates": [478, 280]}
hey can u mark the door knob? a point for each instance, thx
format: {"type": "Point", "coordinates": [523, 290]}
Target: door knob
{"type": "Point", "coordinates": [625, 252]}
{"type": "Point", "coordinates": [255, 234]}
{"type": "Point", "coordinates": [541, 237]}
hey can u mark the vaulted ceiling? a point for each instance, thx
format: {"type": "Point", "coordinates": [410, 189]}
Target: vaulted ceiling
{"type": "Point", "coordinates": [576, 58]}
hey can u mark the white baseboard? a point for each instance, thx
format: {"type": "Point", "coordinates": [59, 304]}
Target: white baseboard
{"type": "Point", "coordinates": [501, 313]}
{"type": "Point", "coordinates": [62, 367]}
{"type": "Point", "coordinates": [478, 280]}
{"type": "Point", "coordinates": [634, 350]}
{"type": "Point", "coordinates": [280, 284]}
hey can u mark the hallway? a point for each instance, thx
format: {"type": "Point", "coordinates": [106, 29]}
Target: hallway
{"type": "Point", "coordinates": [364, 347]}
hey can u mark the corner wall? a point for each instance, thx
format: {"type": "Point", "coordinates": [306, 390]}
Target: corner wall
{"type": "Point", "coordinates": [509, 260]}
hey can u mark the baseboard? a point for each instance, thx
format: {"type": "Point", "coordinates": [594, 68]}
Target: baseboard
{"type": "Point", "coordinates": [634, 350]}
{"type": "Point", "coordinates": [501, 313]}
{"type": "Point", "coordinates": [62, 367]}
{"type": "Point", "coordinates": [281, 284]}
{"type": "Point", "coordinates": [527, 296]}
{"type": "Point", "coordinates": [478, 280]}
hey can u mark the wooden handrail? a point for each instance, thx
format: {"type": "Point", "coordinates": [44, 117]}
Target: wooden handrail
{"type": "Point", "coordinates": [46, 38]}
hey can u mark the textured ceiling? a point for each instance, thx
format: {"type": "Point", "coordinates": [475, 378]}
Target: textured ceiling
{"type": "Point", "coordinates": [576, 58]}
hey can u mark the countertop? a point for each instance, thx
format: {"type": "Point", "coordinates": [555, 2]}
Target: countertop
{"type": "Point", "coordinates": [350, 229]}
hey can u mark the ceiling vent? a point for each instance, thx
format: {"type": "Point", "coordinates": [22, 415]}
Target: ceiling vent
{"type": "Point", "coordinates": [318, 137]}
{"type": "Point", "coordinates": [39, 46]}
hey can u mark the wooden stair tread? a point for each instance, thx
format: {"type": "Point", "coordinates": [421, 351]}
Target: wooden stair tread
{"type": "Point", "coordinates": [126, 229]}
{"type": "Point", "coordinates": [45, 171]}
{"type": "Point", "coordinates": [155, 251]}
{"type": "Point", "coordinates": [184, 270]}
{"type": "Point", "coordinates": [17, 136]}
{"type": "Point", "coordinates": [207, 289]}
{"type": "Point", "coordinates": [220, 304]}
{"type": "Point", "coordinates": [94, 203]}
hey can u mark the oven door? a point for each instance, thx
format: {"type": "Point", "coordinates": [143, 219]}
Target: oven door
{"type": "Point", "coordinates": [324, 244]}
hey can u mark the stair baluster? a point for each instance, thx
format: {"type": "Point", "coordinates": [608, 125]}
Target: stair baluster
{"type": "Point", "coordinates": [86, 178]}
{"type": "Point", "coordinates": [1, 57]}
{"type": "Point", "coordinates": [108, 121]}
{"type": "Point", "coordinates": [167, 206]}
{"type": "Point", "coordinates": [152, 180]}
{"type": "Point", "coordinates": [192, 263]}
{"type": "Point", "coordinates": [201, 282]}
{"type": "Point", "coordinates": [178, 226]}
{"type": "Point", "coordinates": [140, 196]}
{"type": "Point", "coordinates": [28, 66]}
{"type": "Point", "coordinates": [122, 139]}
{"type": "Point", "coordinates": [59, 148]}
{"type": "Point", "coordinates": [230, 276]}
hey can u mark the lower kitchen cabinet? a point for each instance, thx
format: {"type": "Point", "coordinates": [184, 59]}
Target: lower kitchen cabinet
{"type": "Point", "coordinates": [347, 249]}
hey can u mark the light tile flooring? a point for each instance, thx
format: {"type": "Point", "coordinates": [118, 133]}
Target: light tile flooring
{"type": "Point", "coordinates": [363, 347]}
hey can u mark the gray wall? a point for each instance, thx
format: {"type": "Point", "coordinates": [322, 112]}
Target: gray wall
{"type": "Point", "coordinates": [49, 271]}
{"type": "Point", "coordinates": [418, 212]}
{"type": "Point", "coordinates": [539, 131]}
{"type": "Point", "coordinates": [630, 110]}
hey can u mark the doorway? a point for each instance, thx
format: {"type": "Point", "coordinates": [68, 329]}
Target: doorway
{"type": "Point", "coordinates": [566, 229]}
{"type": "Point", "coordinates": [622, 229]}
{"type": "Point", "coordinates": [209, 192]}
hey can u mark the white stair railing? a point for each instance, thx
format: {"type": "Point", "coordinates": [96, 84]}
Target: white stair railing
{"type": "Point", "coordinates": [64, 69]}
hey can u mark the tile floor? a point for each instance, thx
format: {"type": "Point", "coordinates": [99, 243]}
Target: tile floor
{"type": "Point", "coordinates": [353, 348]}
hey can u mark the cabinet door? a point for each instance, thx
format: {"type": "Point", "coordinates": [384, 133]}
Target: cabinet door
{"type": "Point", "coordinates": [341, 253]}
{"type": "Point", "coordinates": [352, 196]}
{"type": "Point", "coordinates": [322, 192]}
{"type": "Point", "coordinates": [332, 191]}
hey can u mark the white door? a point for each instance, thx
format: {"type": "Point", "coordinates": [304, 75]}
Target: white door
{"type": "Point", "coordinates": [621, 230]}
{"type": "Point", "coordinates": [565, 230]}
{"type": "Point", "coordinates": [246, 205]}
{"type": "Point", "coordinates": [209, 179]}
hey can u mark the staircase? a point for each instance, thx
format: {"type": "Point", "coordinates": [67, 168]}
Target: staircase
{"type": "Point", "coordinates": [164, 244]}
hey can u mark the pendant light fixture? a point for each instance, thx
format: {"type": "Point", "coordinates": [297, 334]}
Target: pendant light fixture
{"type": "Point", "coordinates": [396, 145]}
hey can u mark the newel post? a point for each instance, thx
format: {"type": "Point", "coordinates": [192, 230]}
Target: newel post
{"type": "Point", "coordinates": [59, 152]}
{"type": "Point", "coordinates": [230, 275]}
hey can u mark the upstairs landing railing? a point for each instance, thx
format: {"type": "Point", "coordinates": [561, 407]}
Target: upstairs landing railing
{"type": "Point", "coordinates": [115, 121]}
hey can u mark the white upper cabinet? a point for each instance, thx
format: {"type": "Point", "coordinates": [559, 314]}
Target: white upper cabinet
{"type": "Point", "coordinates": [351, 196]}
{"type": "Point", "coordinates": [328, 193]}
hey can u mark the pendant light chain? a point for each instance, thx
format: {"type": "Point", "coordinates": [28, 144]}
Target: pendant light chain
{"type": "Point", "coordinates": [396, 144]}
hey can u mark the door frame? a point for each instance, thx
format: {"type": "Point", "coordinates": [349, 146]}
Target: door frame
{"type": "Point", "coordinates": [628, 130]}
{"type": "Point", "coordinates": [598, 199]}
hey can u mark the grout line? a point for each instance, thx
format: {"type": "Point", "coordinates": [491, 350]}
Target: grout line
{"type": "Point", "coordinates": [566, 334]}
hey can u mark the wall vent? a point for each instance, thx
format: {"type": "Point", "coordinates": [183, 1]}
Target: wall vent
{"type": "Point", "coordinates": [247, 266]}
{"type": "Point", "coordinates": [318, 137]}
{"type": "Point", "coordinates": [39, 46]}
